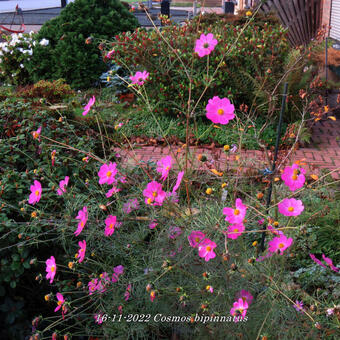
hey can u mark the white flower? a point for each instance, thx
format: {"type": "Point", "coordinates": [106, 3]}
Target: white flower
{"type": "Point", "coordinates": [44, 42]}
{"type": "Point", "coordinates": [330, 311]}
{"type": "Point", "coordinates": [22, 65]}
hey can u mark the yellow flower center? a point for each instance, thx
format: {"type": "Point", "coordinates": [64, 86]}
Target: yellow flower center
{"type": "Point", "coordinates": [37, 193]}
{"type": "Point", "coordinates": [197, 239]}
{"type": "Point", "coordinates": [52, 269]}
{"type": "Point", "coordinates": [236, 230]}
{"type": "Point", "coordinates": [154, 194]}
{"type": "Point", "coordinates": [294, 177]}
{"type": "Point", "coordinates": [82, 223]}
{"type": "Point", "coordinates": [108, 174]}
{"type": "Point", "coordinates": [220, 112]}
{"type": "Point", "coordinates": [208, 248]}
{"type": "Point", "coordinates": [59, 303]}
{"type": "Point", "coordinates": [236, 212]}
{"type": "Point", "coordinates": [167, 168]}
{"type": "Point", "coordinates": [281, 245]}
{"type": "Point", "coordinates": [290, 209]}
{"type": "Point", "coordinates": [149, 201]}
{"type": "Point", "coordinates": [111, 226]}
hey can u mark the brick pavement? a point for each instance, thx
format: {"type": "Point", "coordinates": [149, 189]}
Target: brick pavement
{"type": "Point", "coordinates": [322, 153]}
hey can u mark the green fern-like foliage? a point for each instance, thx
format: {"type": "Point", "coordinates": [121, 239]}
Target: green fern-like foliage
{"type": "Point", "coordinates": [68, 56]}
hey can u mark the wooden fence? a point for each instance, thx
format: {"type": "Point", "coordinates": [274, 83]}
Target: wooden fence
{"type": "Point", "coordinates": [301, 17]}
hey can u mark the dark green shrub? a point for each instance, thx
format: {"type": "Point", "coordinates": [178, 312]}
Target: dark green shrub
{"type": "Point", "coordinates": [68, 56]}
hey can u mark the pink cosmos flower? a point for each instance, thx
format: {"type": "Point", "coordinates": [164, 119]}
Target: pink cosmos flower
{"type": "Point", "coordinates": [152, 295]}
{"type": "Point", "coordinates": [110, 54]}
{"type": "Point", "coordinates": [237, 215]}
{"type": "Point", "coordinates": [153, 224]}
{"type": "Point", "coordinates": [117, 271]}
{"type": "Point", "coordinates": [98, 318]}
{"type": "Point", "coordinates": [60, 302]}
{"type": "Point", "coordinates": [107, 173]}
{"type": "Point", "coordinates": [274, 231]}
{"type": "Point", "coordinates": [105, 278]}
{"type": "Point", "coordinates": [298, 306]}
{"type": "Point", "coordinates": [330, 263]}
{"type": "Point", "coordinates": [280, 243]}
{"type": "Point", "coordinates": [100, 288]}
{"type": "Point", "coordinates": [209, 289]}
{"type": "Point", "coordinates": [35, 193]}
{"type": "Point", "coordinates": [290, 207]}
{"type": "Point", "coordinates": [121, 179]}
{"type": "Point", "coordinates": [112, 191]}
{"type": "Point", "coordinates": [53, 156]}
{"type": "Point", "coordinates": [62, 184]}
{"type": "Point", "coordinates": [220, 110]}
{"type": "Point", "coordinates": [127, 293]}
{"type": "Point", "coordinates": [131, 204]}
{"type": "Point", "coordinates": [51, 268]}
{"type": "Point", "coordinates": [235, 230]}
{"type": "Point", "coordinates": [195, 238]}
{"type": "Point", "coordinates": [82, 216]}
{"type": "Point", "coordinates": [92, 286]}
{"type": "Point", "coordinates": [139, 78]}
{"type": "Point", "coordinates": [326, 259]}
{"type": "Point", "coordinates": [81, 251]}
{"type": "Point", "coordinates": [205, 44]}
{"type": "Point", "coordinates": [262, 258]}
{"type": "Point", "coordinates": [245, 296]}
{"type": "Point", "coordinates": [239, 309]}
{"type": "Point", "coordinates": [154, 195]}
{"type": "Point", "coordinates": [206, 249]}
{"type": "Point", "coordinates": [174, 232]}
{"type": "Point", "coordinates": [36, 134]}
{"type": "Point", "coordinates": [294, 177]}
{"type": "Point", "coordinates": [178, 182]}
{"type": "Point", "coordinates": [260, 222]}
{"type": "Point", "coordinates": [110, 225]}
{"type": "Point", "coordinates": [317, 261]}
{"type": "Point", "coordinates": [164, 166]}
{"type": "Point", "coordinates": [88, 106]}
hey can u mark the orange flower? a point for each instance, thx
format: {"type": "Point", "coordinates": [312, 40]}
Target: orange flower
{"type": "Point", "coordinates": [214, 171]}
{"type": "Point", "coordinates": [259, 195]}
{"type": "Point", "coordinates": [315, 177]}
